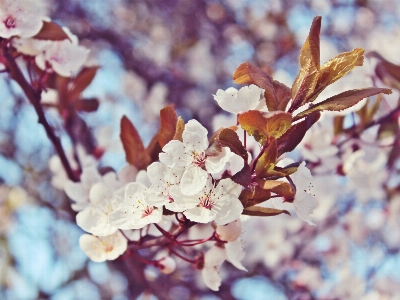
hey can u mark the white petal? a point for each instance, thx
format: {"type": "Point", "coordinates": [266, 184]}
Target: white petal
{"type": "Point", "coordinates": [235, 254]}
{"type": "Point", "coordinates": [156, 172]}
{"type": "Point", "coordinates": [304, 204]}
{"type": "Point", "coordinates": [230, 232]}
{"type": "Point", "coordinates": [100, 249]}
{"type": "Point", "coordinates": [193, 180]}
{"type": "Point", "coordinates": [93, 220]}
{"type": "Point", "coordinates": [211, 278]}
{"type": "Point", "coordinates": [215, 164]}
{"type": "Point", "coordinates": [229, 212]}
{"type": "Point", "coordinates": [215, 256]}
{"type": "Point", "coordinates": [200, 215]}
{"type": "Point", "coordinates": [195, 137]}
{"type": "Point", "coordinates": [100, 193]}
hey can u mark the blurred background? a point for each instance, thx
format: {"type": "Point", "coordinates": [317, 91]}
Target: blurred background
{"type": "Point", "coordinates": [159, 52]}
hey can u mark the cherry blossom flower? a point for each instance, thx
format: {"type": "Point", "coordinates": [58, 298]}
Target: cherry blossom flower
{"type": "Point", "coordinates": [236, 102]}
{"type": "Point", "coordinates": [104, 248]}
{"type": "Point", "coordinates": [64, 57]}
{"type": "Point", "coordinates": [230, 232]}
{"type": "Point", "coordinates": [233, 163]}
{"type": "Point", "coordinates": [163, 179]}
{"type": "Point", "coordinates": [135, 212]}
{"type": "Point", "coordinates": [219, 204]}
{"type": "Point", "coordinates": [20, 18]}
{"type": "Point", "coordinates": [167, 265]}
{"type": "Point", "coordinates": [190, 155]}
{"type": "Point", "coordinates": [94, 218]}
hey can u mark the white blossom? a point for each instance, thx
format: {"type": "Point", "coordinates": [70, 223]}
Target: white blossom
{"type": "Point", "coordinates": [190, 155]}
{"type": "Point", "coordinates": [219, 204]}
{"type": "Point", "coordinates": [236, 102]}
{"type": "Point", "coordinates": [163, 179]}
{"type": "Point", "coordinates": [64, 57]}
{"type": "Point", "coordinates": [94, 218]}
{"type": "Point", "coordinates": [20, 18]}
{"type": "Point", "coordinates": [135, 212]}
{"type": "Point", "coordinates": [104, 248]}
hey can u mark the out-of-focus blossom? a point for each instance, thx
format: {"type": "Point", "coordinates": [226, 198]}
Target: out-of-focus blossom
{"type": "Point", "coordinates": [103, 248]}
{"type": "Point", "coordinates": [20, 18]}
{"type": "Point", "coordinates": [213, 259]}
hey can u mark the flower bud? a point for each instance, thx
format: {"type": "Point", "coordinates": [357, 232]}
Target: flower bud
{"type": "Point", "coordinates": [230, 232]}
{"type": "Point", "coordinates": [167, 265]}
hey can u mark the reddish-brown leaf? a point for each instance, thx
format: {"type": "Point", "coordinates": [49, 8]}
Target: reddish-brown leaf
{"type": "Point", "coordinates": [254, 195]}
{"type": "Point", "coordinates": [267, 160]}
{"type": "Point", "coordinates": [180, 126]}
{"type": "Point", "coordinates": [280, 188]}
{"type": "Point", "coordinates": [169, 120]}
{"type": "Point", "coordinates": [278, 124]}
{"type": "Point", "coordinates": [336, 68]}
{"type": "Point", "coordinates": [343, 100]}
{"type": "Point", "coordinates": [243, 177]}
{"type": "Point", "coordinates": [81, 82]}
{"type": "Point", "coordinates": [254, 123]}
{"type": "Point", "coordinates": [291, 138]}
{"type": "Point", "coordinates": [277, 95]}
{"type": "Point", "coordinates": [259, 211]}
{"type": "Point", "coordinates": [136, 154]}
{"type": "Point", "coordinates": [309, 61]}
{"type": "Point", "coordinates": [51, 31]}
{"type": "Point", "coordinates": [229, 138]}
{"type": "Point", "coordinates": [87, 105]}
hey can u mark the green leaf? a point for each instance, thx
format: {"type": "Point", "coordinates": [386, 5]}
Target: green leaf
{"type": "Point", "coordinates": [343, 100]}
{"type": "Point", "coordinates": [136, 154]}
{"type": "Point", "coordinates": [263, 211]}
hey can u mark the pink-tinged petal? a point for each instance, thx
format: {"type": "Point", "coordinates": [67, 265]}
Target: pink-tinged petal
{"type": "Point", "coordinates": [304, 204]}
{"type": "Point", "coordinates": [195, 137]}
{"type": "Point", "coordinates": [193, 180]}
{"type": "Point", "coordinates": [93, 220]}
{"type": "Point", "coordinates": [100, 249]}
{"type": "Point", "coordinates": [200, 215]}
{"type": "Point", "coordinates": [229, 212]}
{"type": "Point", "coordinates": [235, 254]}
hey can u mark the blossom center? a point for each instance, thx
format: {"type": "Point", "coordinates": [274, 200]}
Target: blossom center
{"type": "Point", "coordinates": [199, 159]}
{"type": "Point", "coordinates": [206, 202]}
{"type": "Point", "coordinates": [147, 211]}
{"type": "Point", "coordinates": [10, 21]}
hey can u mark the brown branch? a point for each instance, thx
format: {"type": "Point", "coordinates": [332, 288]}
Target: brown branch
{"type": "Point", "coordinates": [34, 97]}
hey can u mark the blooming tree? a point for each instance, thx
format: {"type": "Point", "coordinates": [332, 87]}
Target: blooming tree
{"type": "Point", "coordinates": [186, 198]}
